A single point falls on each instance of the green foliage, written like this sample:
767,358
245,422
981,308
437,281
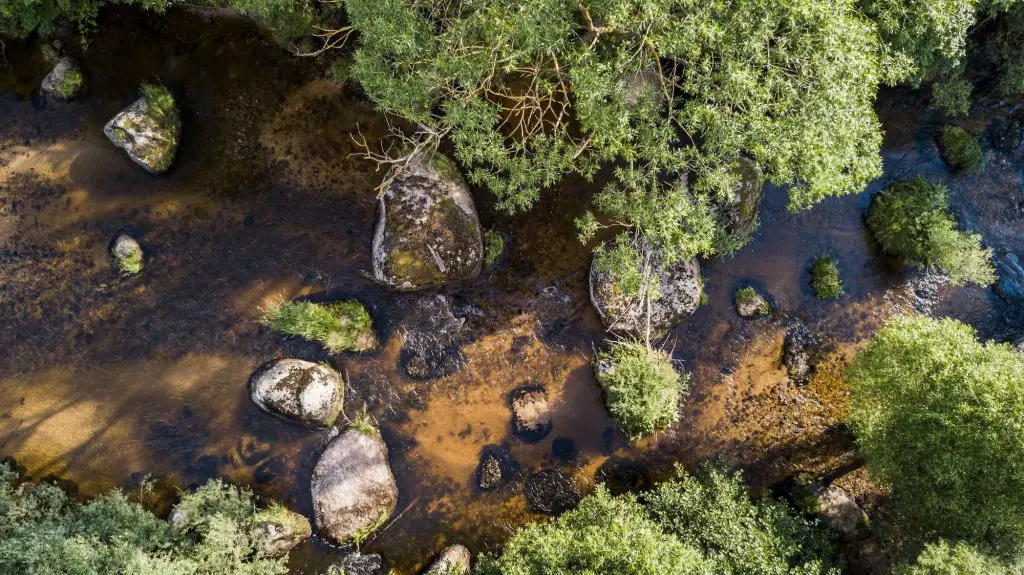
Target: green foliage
642,388
339,326
952,95
941,558
961,149
737,534
909,219
69,83
19,18
1005,50
494,246
528,92
685,527
287,20
623,260
937,416
164,110
364,423
825,279
44,532
747,295
131,264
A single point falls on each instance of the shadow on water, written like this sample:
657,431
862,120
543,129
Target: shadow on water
107,377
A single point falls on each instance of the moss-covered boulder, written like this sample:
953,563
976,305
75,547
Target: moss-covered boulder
750,303
740,209
428,232
148,130
353,489
298,390
679,289
280,530
454,560
64,80
127,254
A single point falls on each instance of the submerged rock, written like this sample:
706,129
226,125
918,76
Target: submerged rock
127,254
531,414
356,563
298,390
64,80
454,560
740,211
428,232
551,492
800,350
839,511
679,286
495,467
280,530
353,489
148,130
431,334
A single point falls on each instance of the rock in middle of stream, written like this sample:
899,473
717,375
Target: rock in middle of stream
428,232
299,390
148,130
353,489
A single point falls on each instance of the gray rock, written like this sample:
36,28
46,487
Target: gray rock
839,510
750,303
431,334
679,286
428,232
454,560
64,80
148,131
353,489
531,414
298,390
281,530
127,254
178,519
800,353
356,563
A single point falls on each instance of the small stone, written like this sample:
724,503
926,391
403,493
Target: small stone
750,303
495,467
281,530
356,563
148,130
64,80
531,414
454,560
127,254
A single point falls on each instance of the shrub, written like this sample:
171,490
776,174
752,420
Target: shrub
909,219
43,531
494,246
825,279
941,558
738,535
952,95
642,389
938,416
961,149
339,326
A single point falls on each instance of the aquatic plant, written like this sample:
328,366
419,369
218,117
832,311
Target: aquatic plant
685,526
642,389
339,326
494,246
825,280
909,219
937,415
961,149
44,531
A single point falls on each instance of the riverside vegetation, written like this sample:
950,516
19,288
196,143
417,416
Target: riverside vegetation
664,100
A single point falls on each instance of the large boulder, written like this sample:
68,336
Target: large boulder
298,390
454,560
839,510
148,130
280,530
64,80
739,211
353,489
428,233
431,334
679,286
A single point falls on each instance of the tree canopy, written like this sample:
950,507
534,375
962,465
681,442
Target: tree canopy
937,416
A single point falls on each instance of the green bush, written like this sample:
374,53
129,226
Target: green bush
909,219
642,388
825,280
937,416
494,246
44,532
952,95
738,534
685,527
941,558
339,326
961,149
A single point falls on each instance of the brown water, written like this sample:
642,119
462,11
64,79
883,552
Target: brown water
106,378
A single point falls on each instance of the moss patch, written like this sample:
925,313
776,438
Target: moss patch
494,246
130,264
69,83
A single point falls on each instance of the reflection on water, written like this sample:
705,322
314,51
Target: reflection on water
105,377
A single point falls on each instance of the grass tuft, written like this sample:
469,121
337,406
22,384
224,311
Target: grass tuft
825,280
339,326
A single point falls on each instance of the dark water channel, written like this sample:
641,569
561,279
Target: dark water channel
105,379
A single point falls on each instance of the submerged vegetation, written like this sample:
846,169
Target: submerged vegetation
641,386
339,326
909,219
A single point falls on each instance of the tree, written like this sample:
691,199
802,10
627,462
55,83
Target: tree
941,558
937,417
667,91
44,532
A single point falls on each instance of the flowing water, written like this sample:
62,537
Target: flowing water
106,379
